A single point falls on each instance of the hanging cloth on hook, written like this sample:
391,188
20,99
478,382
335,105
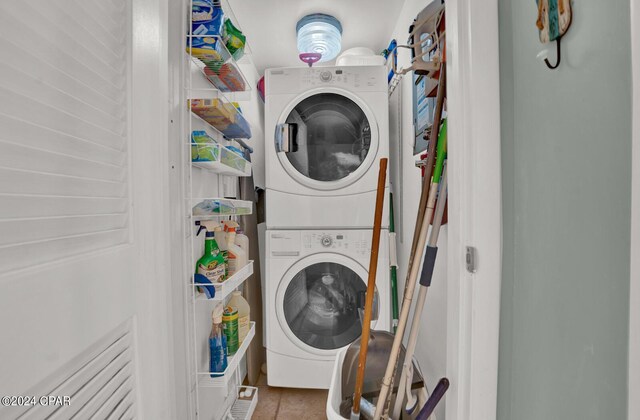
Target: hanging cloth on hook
554,19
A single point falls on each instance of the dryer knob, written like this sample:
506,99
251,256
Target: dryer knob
326,76
326,241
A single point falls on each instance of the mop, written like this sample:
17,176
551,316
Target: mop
425,282
419,240
371,290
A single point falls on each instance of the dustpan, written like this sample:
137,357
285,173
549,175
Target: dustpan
380,344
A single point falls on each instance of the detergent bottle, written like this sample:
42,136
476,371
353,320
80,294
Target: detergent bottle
242,241
244,324
237,256
211,264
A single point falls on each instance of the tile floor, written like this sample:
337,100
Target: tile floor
289,403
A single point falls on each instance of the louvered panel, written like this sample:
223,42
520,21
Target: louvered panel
14,232
113,7
92,37
25,206
13,155
100,385
46,183
15,257
32,109
69,36
128,415
46,73
121,408
122,380
60,56
66,66
92,22
16,80
88,399
120,395
109,21
33,135
13,22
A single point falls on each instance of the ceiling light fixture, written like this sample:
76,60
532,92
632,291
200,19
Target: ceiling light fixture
319,34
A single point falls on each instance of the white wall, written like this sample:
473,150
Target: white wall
432,342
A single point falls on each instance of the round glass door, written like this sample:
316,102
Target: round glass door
329,137
322,305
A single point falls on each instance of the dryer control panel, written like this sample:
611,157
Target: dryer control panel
294,80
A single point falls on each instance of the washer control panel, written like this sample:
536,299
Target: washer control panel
349,242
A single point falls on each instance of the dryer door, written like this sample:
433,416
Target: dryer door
320,301
327,140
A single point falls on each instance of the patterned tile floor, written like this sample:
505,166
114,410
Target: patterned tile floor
289,403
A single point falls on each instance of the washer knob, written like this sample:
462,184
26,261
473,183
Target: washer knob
326,241
325,76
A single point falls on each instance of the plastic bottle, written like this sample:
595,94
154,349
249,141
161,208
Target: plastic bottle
242,241
237,256
217,344
211,264
237,301
230,328
221,240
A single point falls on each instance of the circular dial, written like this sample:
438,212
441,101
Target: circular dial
326,241
325,76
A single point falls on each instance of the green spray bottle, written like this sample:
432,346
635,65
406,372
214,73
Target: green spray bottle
211,264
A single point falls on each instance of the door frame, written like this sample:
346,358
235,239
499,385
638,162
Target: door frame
473,105
634,269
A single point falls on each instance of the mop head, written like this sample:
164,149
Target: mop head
380,343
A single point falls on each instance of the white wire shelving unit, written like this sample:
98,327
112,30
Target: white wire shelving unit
200,80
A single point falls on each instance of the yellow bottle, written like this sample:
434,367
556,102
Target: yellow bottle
244,325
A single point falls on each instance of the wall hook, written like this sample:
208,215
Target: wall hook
546,60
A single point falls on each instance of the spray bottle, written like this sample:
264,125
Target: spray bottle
211,264
237,256
217,344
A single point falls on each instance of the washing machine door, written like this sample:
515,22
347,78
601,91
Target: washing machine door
327,139
320,302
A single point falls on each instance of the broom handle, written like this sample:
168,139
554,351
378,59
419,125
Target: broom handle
415,257
422,296
371,286
428,169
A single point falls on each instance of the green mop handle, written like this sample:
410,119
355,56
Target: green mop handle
393,266
430,254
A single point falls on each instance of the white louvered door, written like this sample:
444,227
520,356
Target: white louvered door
70,253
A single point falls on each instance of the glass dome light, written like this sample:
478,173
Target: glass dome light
319,33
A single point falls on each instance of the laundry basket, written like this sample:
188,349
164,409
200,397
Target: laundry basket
335,393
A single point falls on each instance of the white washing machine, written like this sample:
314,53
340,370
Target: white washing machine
326,129
314,289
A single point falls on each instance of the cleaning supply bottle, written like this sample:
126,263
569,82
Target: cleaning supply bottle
217,344
242,241
211,264
221,240
230,328
237,256
237,301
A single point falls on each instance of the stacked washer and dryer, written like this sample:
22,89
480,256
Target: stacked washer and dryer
326,130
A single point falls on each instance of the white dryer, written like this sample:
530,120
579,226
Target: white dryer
314,290
326,129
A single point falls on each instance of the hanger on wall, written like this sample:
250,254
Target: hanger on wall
554,19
